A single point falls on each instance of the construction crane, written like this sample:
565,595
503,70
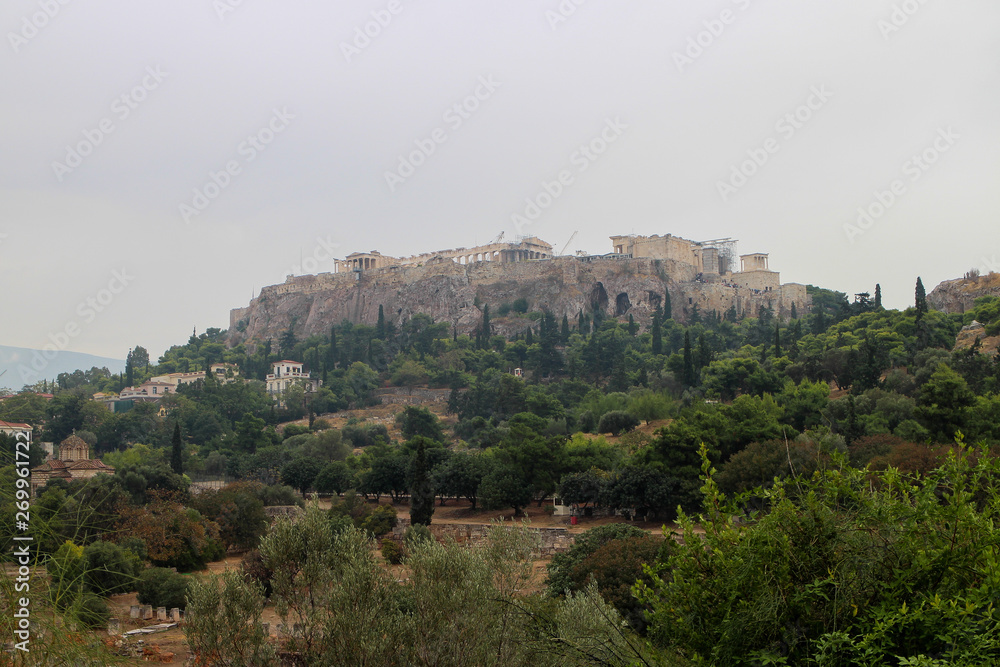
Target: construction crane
499,237
568,242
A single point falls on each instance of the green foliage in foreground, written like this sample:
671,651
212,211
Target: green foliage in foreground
460,606
848,568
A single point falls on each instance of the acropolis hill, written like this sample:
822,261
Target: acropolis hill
453,285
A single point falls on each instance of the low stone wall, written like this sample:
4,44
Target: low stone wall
553,539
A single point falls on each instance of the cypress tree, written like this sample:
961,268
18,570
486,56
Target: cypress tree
631,325
657,346
485,333
529,337
688,360
380,326
176,462
777,340
795,312
564,333
920,300
667,310
580,322
704,352
129,371
878,297
421,490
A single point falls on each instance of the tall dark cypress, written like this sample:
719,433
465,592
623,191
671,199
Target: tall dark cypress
920,300
878,297
777,340
667,310
176,462
380,326
564,333
657,345
421,489
688,361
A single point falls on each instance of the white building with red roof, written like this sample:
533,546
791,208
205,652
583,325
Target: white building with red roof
13,428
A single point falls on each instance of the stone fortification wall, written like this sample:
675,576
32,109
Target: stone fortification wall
552,539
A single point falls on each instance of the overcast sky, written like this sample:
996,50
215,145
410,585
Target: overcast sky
770,121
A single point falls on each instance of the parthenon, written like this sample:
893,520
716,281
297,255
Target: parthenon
522,250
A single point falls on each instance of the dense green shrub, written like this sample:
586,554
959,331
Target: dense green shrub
161,587
392,552
616,422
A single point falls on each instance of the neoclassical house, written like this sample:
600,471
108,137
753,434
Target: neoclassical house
74,462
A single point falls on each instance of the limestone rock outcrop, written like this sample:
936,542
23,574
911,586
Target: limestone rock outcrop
455,293
958,296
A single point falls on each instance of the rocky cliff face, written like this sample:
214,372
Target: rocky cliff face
450,292
958,296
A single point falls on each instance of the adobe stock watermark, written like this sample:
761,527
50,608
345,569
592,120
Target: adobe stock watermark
899,17
86,312
121,108
786,127
585,155
706,38
248,150
32,24
454,117
913,169
990,265
322,252
20,550
223,7
364,34
562,13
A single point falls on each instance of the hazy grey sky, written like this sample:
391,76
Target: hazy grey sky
114,114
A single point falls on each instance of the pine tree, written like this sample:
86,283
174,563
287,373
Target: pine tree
878,297
667,310
380,326
176,462
688,360
421,489
657,345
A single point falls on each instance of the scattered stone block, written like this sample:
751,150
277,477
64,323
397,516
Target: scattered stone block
114,626
175,614
147,612
161,613
134,611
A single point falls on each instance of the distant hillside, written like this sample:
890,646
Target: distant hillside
20,365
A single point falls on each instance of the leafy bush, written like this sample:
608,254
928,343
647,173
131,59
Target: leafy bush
417,533
295,429
161,587
109,568
615,567
617,421
392,552
93,611
380,521
254,569
560,577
